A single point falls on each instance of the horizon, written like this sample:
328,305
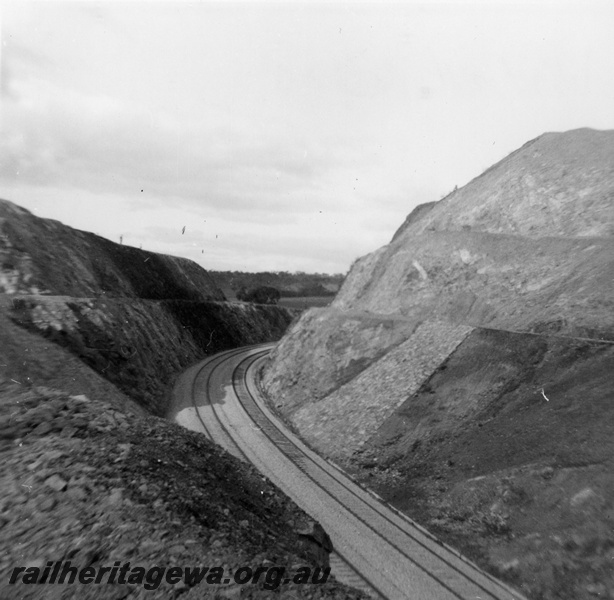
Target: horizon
267,137
209,270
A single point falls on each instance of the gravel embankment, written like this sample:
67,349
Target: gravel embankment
86,483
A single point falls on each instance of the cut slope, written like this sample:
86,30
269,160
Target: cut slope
507,452
27,359
136,318
556,284
499,439
84,478
490,254
547,285
559,184
139,345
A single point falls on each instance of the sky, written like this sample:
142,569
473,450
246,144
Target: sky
282,136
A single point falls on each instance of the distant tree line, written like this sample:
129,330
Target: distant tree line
260,295
288,285
313,289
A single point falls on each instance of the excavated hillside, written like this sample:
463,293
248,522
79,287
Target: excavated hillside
92,335
464,370
137,318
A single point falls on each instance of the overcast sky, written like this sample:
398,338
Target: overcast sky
282,136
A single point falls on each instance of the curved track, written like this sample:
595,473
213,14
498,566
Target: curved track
377,548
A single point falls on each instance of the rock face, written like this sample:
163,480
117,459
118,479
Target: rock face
527,246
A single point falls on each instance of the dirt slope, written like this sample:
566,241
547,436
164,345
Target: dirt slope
547,285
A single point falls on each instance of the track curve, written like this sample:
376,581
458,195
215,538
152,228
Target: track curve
379,549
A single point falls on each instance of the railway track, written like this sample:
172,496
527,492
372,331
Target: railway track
377,548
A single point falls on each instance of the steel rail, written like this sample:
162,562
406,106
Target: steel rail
379,504
297,455
293,453
219,359
227,355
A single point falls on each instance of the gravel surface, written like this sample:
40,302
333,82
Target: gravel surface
84,482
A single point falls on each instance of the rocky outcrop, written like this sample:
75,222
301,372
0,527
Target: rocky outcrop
504,281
